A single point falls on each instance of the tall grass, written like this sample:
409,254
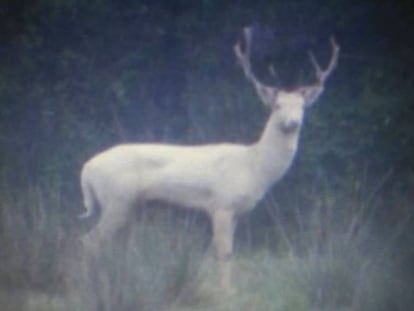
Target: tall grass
152,264
32,238
325,262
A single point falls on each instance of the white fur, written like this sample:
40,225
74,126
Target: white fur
223,180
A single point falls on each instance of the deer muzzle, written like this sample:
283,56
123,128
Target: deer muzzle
289,127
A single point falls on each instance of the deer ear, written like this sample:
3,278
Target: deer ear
310,94
268,95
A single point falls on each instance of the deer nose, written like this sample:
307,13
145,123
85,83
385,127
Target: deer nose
290,126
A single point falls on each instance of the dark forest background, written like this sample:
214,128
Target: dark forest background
79,76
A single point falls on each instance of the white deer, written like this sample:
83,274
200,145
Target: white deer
223,180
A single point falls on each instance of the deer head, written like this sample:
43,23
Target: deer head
289,104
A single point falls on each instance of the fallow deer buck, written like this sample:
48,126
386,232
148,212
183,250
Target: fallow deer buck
223,180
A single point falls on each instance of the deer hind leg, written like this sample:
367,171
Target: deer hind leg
113,217
223,224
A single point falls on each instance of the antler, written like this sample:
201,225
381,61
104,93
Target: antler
266,93
311,93
322,75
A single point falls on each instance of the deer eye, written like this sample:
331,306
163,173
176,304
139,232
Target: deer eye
276,106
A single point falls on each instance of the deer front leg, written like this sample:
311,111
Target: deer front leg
223,224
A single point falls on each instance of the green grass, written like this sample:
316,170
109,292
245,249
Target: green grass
162,263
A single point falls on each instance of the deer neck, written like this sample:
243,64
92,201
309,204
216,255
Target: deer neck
274,152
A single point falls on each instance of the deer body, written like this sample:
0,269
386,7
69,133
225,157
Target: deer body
223,180
206,177
192,177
